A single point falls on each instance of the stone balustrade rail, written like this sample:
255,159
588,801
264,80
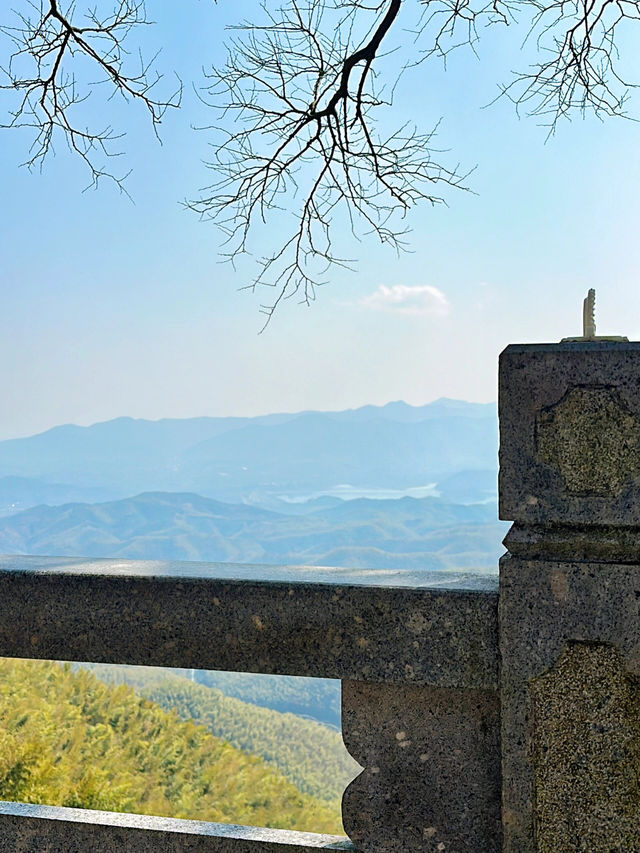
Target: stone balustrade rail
403,655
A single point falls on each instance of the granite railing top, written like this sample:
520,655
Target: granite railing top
211,616
160,832
262,572
55,828
577,345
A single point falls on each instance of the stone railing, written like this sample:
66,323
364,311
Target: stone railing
419,673
484,719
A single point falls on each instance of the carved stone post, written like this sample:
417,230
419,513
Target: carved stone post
425,726
431,779
570,597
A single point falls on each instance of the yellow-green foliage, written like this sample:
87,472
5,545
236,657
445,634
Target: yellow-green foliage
68,739
311,755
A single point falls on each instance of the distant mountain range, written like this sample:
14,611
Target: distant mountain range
409,533
394,487
389,495
278,461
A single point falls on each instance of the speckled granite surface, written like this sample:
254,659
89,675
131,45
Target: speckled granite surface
569,607
439,636
544,608
570,433
431,779
334,575
586,739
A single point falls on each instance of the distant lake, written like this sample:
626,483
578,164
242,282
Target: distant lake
348,493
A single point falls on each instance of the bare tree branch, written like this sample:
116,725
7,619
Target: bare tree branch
297,98
580,72
578,41
48,45
299,139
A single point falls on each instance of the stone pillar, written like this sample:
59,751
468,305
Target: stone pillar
570,597
431,777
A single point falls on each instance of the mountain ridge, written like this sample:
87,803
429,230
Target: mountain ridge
481,409
254,460
409,533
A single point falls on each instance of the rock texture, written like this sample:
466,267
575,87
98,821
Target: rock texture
570,433
569,606
46,829
431,778
108,611
586,752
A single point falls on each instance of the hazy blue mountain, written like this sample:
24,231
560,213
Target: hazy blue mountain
410,534
314,451
259,460
404,413
298,507
133,449
19,493
470,486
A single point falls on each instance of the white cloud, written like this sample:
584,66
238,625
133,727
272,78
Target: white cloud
423,299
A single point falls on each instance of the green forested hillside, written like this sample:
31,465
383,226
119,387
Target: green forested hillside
68,739
314,698
318,698
309,754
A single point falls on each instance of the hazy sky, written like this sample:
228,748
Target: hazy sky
117,308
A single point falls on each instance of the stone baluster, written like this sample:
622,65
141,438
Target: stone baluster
569,606
431,778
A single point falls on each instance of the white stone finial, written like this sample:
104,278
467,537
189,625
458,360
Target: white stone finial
589,322
589,315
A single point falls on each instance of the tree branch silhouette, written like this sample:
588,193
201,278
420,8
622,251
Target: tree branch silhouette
300,99
48,44
580,73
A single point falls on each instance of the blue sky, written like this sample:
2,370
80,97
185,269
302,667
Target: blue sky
117,308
